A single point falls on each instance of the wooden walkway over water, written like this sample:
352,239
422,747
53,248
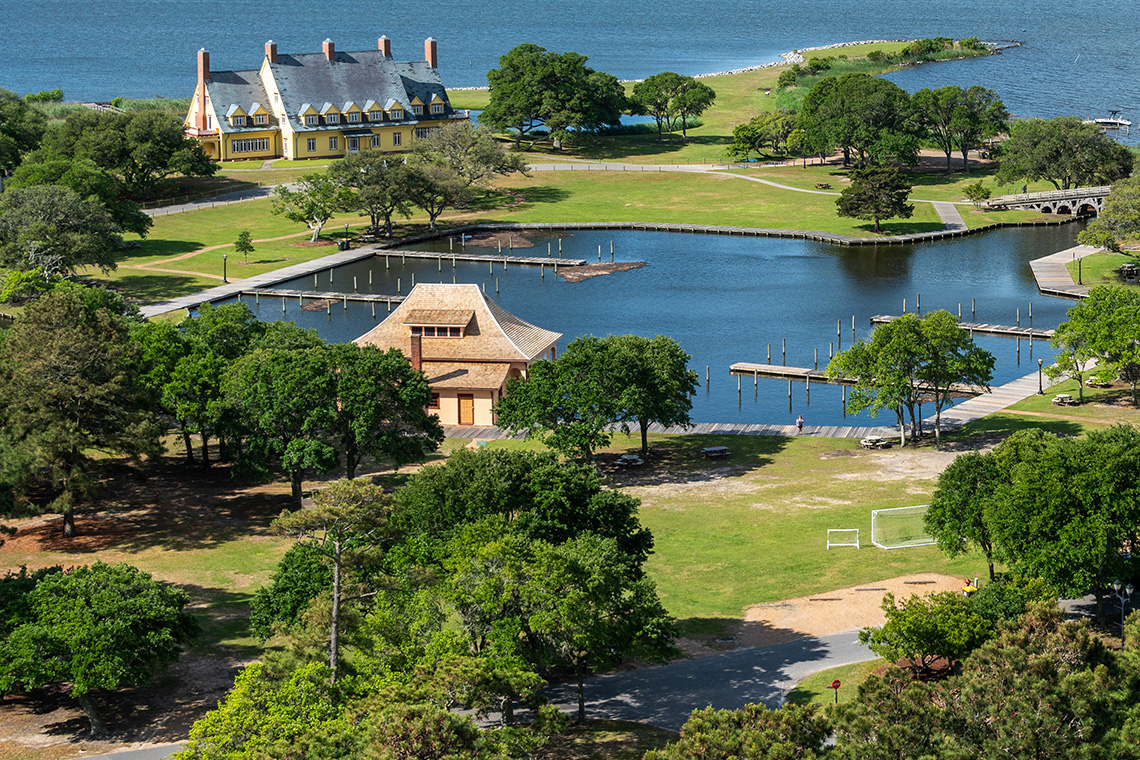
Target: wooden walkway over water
1052,273
808,376
983,328
493,258
319,295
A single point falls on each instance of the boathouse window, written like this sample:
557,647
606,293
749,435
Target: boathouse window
417,331
434,403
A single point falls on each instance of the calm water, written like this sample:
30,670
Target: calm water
1079,58
726,298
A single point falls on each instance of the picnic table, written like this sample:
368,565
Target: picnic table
823,185
715,452
875,442
1062,398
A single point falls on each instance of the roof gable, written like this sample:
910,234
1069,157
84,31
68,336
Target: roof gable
492,333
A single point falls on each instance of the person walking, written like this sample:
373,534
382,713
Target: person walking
800,425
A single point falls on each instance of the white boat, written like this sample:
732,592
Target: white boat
1112,121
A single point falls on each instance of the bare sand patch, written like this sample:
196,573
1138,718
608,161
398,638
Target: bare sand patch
586,271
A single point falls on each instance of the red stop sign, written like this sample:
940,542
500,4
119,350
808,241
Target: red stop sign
835,684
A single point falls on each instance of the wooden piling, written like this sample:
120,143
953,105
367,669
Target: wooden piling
973,310
839,333
784,351
374,310
816,350
918,304
354,284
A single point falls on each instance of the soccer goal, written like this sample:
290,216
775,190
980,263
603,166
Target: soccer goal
899,528
842,537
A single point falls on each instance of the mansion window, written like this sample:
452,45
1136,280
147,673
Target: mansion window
239,121
354,116
332,118
253,145
261,118
397,114
332,143
375,141
417,110
422,132
311,120
397,138
376,116
312,144
437,108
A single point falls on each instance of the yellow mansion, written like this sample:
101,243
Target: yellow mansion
318,105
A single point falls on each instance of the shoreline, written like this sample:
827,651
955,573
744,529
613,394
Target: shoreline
793,57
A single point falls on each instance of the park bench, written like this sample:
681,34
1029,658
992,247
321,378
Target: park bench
1062,399
823,185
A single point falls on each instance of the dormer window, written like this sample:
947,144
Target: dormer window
417,110
354,116
437,109
376,116
239,121
397,114
261,118
332,118
311,120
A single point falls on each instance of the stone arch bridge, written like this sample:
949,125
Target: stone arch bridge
1080,201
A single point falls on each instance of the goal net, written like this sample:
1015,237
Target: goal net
842,537
899,528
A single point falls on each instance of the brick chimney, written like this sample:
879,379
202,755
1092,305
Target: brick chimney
203,76
417,357
329,48
431,55
385,46
271,51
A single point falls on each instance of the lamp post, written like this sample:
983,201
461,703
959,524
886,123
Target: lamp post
1079,272
1123,601
224,279
1040,389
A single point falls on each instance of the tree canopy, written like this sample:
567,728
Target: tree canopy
21,129
95,627
317,199
89,181
534,88
140,147
571,401
908,358
382,186
1102,330
1064,151
875,193
864,116
1119,221
53,231
472,153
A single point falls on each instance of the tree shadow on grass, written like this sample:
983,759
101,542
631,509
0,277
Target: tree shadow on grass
679,459
616,148
141,287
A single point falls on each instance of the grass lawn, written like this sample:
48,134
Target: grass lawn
579,196
1103,406
1100,269
814,690
753,530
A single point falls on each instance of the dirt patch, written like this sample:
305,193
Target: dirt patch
585,272
906,465
311,244
319,305
831,612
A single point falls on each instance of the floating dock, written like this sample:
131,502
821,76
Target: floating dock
804,375
982,328
319,295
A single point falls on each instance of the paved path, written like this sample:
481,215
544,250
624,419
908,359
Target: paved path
949,214
217,200
1052,276
156,752
231,289
664,696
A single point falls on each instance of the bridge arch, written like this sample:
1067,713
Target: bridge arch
1088,208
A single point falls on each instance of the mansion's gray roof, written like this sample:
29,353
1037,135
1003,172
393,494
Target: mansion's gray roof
357,77
229,89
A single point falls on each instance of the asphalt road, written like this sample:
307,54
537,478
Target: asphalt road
664,696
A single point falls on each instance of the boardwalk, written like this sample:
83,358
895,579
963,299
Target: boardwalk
493,258
319,295
801,374
1052,274
983,328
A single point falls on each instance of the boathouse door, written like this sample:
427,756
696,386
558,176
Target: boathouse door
466,409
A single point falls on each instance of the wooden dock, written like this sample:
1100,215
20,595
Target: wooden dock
319,295
983,328
803,375
494,258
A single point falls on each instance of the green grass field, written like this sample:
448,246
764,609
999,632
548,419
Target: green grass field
1100,269
814,690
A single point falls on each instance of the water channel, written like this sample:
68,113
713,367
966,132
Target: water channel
726,299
